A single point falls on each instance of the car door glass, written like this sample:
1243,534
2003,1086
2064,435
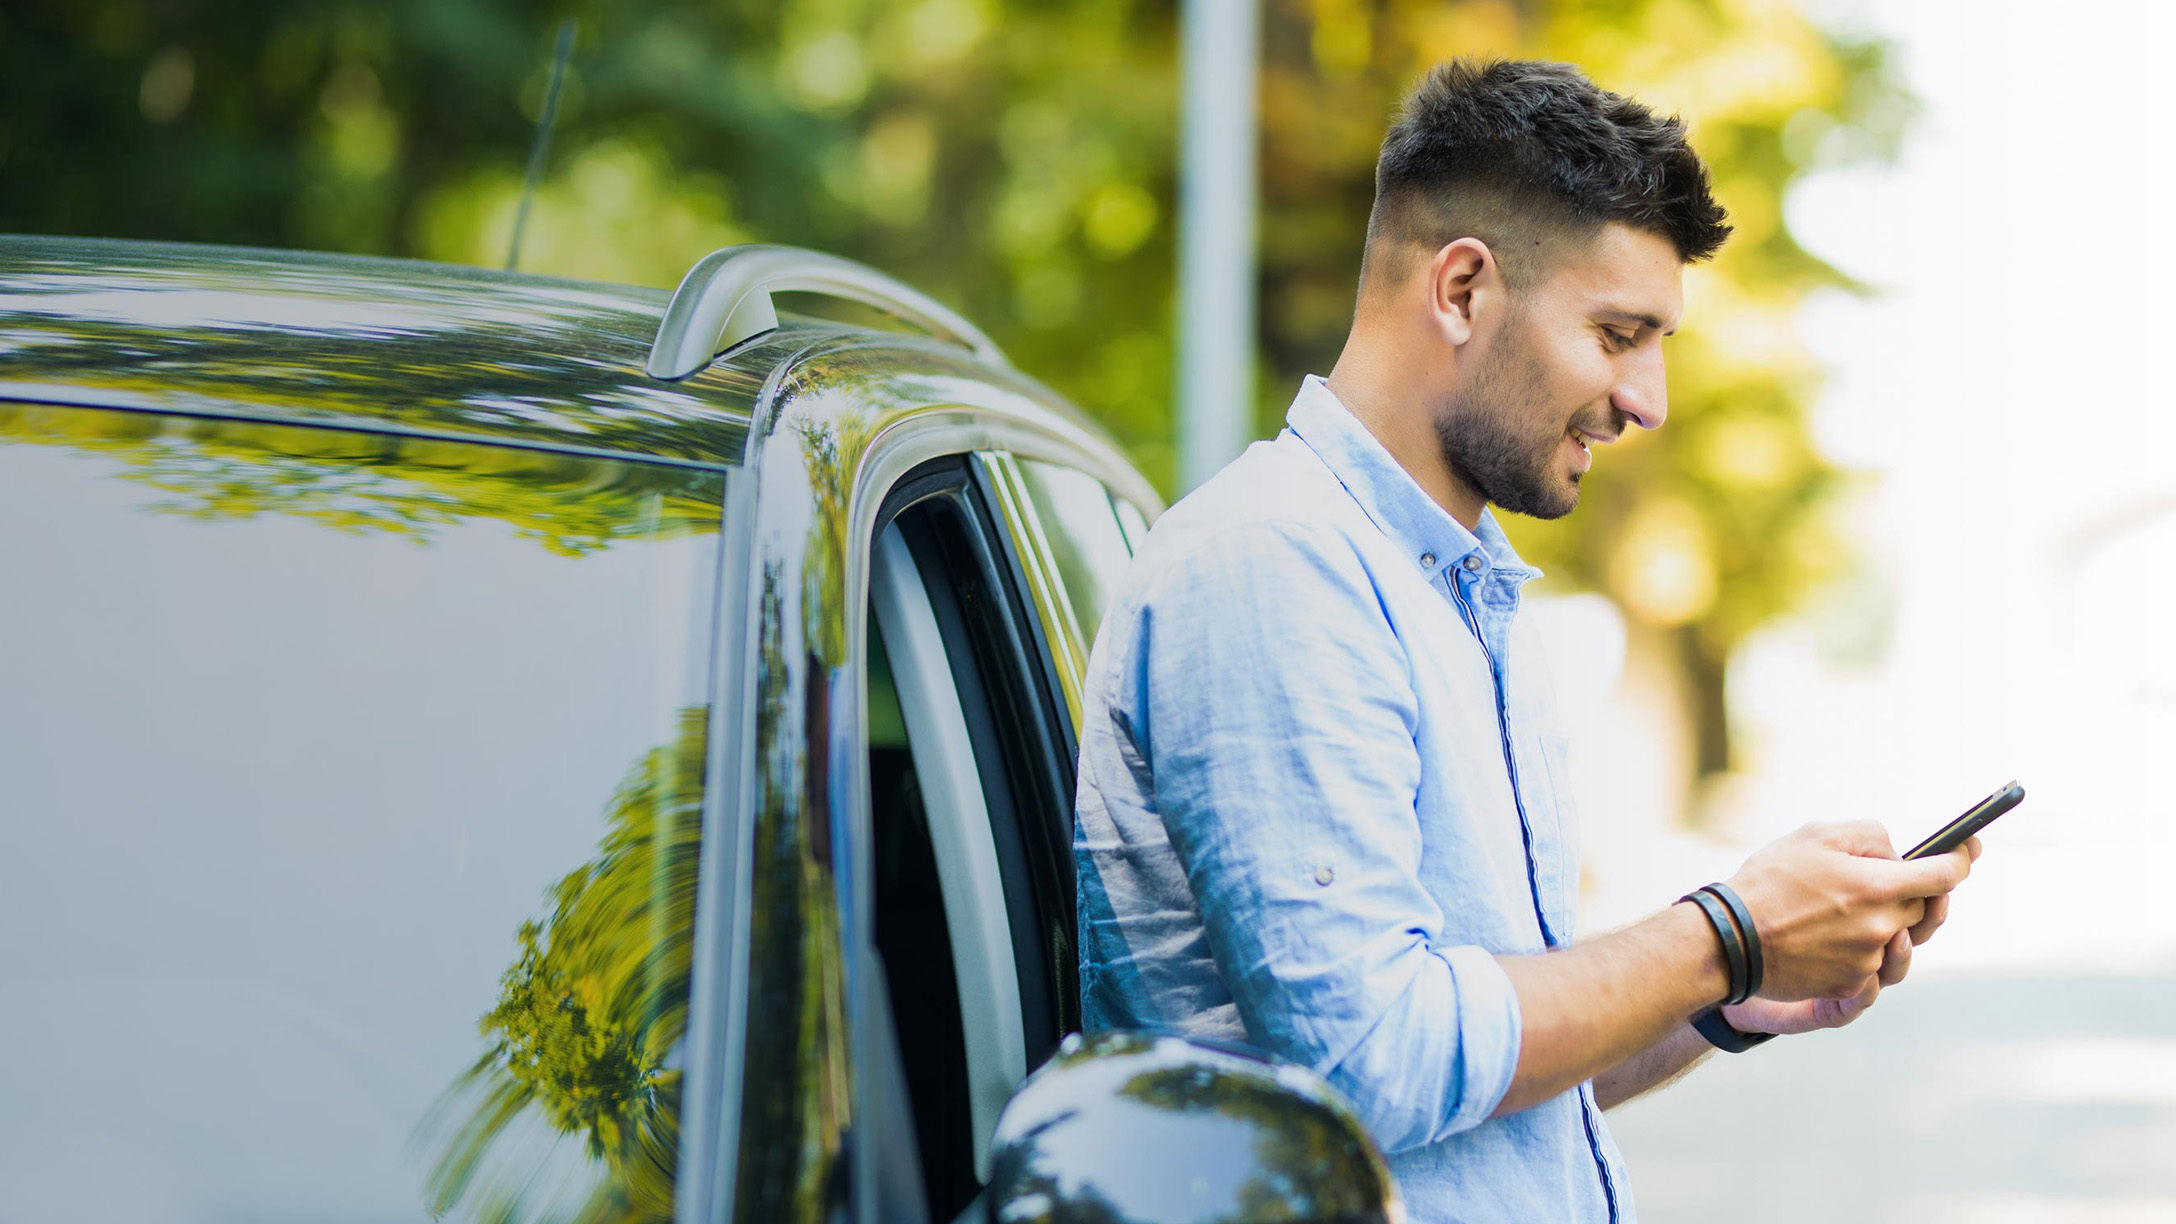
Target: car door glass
352,789
1084,535
1071,551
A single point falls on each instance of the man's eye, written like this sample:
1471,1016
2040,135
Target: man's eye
1616,340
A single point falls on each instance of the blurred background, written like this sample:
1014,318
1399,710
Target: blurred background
1905,537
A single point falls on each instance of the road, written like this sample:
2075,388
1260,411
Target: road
1971,1098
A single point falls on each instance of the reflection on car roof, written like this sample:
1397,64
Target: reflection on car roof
432,349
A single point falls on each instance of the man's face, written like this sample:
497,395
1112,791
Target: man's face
1577,357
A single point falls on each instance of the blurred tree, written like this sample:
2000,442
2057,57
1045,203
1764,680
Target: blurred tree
1715,524
1014,158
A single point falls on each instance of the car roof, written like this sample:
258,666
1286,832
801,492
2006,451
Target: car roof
404,346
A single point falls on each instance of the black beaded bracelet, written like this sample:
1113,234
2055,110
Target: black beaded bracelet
1726,930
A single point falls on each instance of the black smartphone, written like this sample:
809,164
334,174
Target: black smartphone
1983,813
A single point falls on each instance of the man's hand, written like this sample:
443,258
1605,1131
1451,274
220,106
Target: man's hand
1837,913
1767,1015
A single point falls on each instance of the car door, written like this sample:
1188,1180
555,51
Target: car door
968,777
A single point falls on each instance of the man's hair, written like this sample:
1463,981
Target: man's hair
1530,158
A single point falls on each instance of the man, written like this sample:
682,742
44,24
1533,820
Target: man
1321,794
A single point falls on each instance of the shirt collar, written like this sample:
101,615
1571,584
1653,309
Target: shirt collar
1430,538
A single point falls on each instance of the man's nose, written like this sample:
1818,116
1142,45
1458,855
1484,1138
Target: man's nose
1641,393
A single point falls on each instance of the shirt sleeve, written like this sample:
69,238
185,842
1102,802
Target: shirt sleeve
1276,717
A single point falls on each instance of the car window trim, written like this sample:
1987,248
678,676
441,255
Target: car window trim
985,966
1000,670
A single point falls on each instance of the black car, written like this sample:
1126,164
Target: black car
487,747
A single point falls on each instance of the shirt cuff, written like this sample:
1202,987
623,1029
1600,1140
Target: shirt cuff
1489,1033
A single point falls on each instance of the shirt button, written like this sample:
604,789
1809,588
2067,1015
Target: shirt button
1324,874
1428,560
1473,562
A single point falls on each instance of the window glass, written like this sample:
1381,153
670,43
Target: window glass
350,789
1084,536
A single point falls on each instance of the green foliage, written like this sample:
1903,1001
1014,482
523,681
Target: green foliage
559,1039
1015,159
590,1013
1702,531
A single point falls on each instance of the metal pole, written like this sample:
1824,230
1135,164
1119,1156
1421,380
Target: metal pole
1222,40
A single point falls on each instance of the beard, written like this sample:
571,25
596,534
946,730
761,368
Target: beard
1479,430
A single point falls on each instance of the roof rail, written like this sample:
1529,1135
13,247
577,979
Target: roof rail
726,298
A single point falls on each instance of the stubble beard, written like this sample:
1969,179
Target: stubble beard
1484,449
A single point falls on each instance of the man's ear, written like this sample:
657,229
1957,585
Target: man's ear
1465,289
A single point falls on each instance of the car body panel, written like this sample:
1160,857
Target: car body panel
820,421
843,424
411,347
361,343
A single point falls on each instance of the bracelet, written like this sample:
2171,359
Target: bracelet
1729,896
1726,930
1733,924
1725,1036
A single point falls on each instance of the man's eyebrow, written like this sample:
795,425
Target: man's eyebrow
1640,317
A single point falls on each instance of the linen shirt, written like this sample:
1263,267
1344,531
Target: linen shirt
1321,788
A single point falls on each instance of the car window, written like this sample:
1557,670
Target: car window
1072,550
352,790
1083,532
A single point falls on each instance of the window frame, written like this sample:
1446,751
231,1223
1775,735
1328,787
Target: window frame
986,967
1009,695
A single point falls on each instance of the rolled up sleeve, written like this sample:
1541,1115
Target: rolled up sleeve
1277,715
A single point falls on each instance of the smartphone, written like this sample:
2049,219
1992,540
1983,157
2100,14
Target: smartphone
1983,813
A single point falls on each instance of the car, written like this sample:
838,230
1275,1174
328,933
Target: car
486,746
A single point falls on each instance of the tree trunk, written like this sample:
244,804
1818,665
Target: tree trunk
1706,709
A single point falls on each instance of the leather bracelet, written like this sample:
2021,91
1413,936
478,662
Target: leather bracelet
1726,930
1747,931
1725,1036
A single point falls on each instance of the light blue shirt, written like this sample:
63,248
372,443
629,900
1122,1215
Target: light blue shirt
1321,788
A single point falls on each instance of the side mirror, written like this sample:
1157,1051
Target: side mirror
1139,1128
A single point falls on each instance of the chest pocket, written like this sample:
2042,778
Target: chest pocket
1551,807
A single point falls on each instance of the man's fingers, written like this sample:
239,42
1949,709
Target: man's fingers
1863,998
1927,877
1866,996
1866,838
1896,959
1973,844
1936,914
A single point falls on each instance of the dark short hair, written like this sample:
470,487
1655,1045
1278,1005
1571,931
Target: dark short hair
1531,157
